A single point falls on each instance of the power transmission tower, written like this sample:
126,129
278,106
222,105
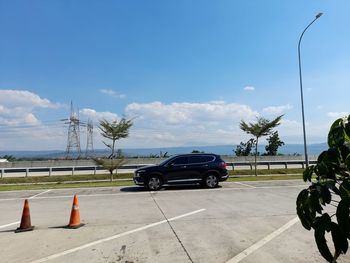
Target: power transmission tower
89,139
73,141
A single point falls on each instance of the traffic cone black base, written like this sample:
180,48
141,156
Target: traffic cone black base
19,230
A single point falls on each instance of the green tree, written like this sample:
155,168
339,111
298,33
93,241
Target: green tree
262,127
9,158
274,143
331,187
110,164
114,131
244,149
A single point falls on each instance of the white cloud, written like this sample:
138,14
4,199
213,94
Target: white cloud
338,114
24,99
249,88
16,107
185,113
113,93
277,109
176,124
21,128
96,116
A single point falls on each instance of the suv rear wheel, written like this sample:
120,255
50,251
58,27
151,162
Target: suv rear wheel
154,183
211,181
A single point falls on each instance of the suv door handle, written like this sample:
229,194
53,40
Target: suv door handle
184,166
205,165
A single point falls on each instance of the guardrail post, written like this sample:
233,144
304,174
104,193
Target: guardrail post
2,173
285,166
251,166
50,171
73,168
302,165
95,168
27,172
268,166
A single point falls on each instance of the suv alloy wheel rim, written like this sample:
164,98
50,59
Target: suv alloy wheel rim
211,181
154,183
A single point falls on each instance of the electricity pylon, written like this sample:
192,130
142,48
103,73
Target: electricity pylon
89,139
73,140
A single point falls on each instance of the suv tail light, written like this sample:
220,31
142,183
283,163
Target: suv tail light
222,165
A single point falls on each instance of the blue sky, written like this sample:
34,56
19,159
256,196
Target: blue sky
182,68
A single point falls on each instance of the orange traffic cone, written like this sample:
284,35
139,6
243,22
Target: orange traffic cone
74,221
25,221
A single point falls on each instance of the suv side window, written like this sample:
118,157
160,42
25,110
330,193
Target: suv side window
180,161
208,158
196,159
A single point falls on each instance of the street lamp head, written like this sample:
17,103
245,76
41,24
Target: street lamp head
319,15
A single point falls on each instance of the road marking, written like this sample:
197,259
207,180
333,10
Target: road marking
247,185
11,224
245,253
69,251
39,194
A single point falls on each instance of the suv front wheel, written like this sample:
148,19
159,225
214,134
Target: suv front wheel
211,181
154,183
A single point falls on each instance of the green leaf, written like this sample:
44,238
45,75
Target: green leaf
347,129
307,174
347,162
345,151
322,224
303,209
336,136
345,190
343,211
322,167
323,221
339,239
325,194
332,155
315,202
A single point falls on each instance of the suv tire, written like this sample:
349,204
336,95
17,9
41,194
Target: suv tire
154,182
211,181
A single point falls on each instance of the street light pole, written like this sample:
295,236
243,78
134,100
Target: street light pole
301,89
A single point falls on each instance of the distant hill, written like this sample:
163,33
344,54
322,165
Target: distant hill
288,149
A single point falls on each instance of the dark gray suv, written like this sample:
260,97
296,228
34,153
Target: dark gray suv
206,169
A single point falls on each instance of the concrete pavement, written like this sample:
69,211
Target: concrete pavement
239,222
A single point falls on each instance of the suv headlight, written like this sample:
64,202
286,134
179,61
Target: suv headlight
138,173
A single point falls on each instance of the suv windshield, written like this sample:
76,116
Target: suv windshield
166,160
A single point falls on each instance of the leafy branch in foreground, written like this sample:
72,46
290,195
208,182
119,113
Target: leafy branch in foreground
331,187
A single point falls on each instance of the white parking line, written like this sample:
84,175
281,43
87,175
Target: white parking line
39,194
247,185
245,253
69,251
11,224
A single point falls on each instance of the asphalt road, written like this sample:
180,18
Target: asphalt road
239,222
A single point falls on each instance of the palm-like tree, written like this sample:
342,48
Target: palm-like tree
110,165
262,127
114,131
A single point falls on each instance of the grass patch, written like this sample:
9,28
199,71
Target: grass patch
266,171
265,178
68,185
61,178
